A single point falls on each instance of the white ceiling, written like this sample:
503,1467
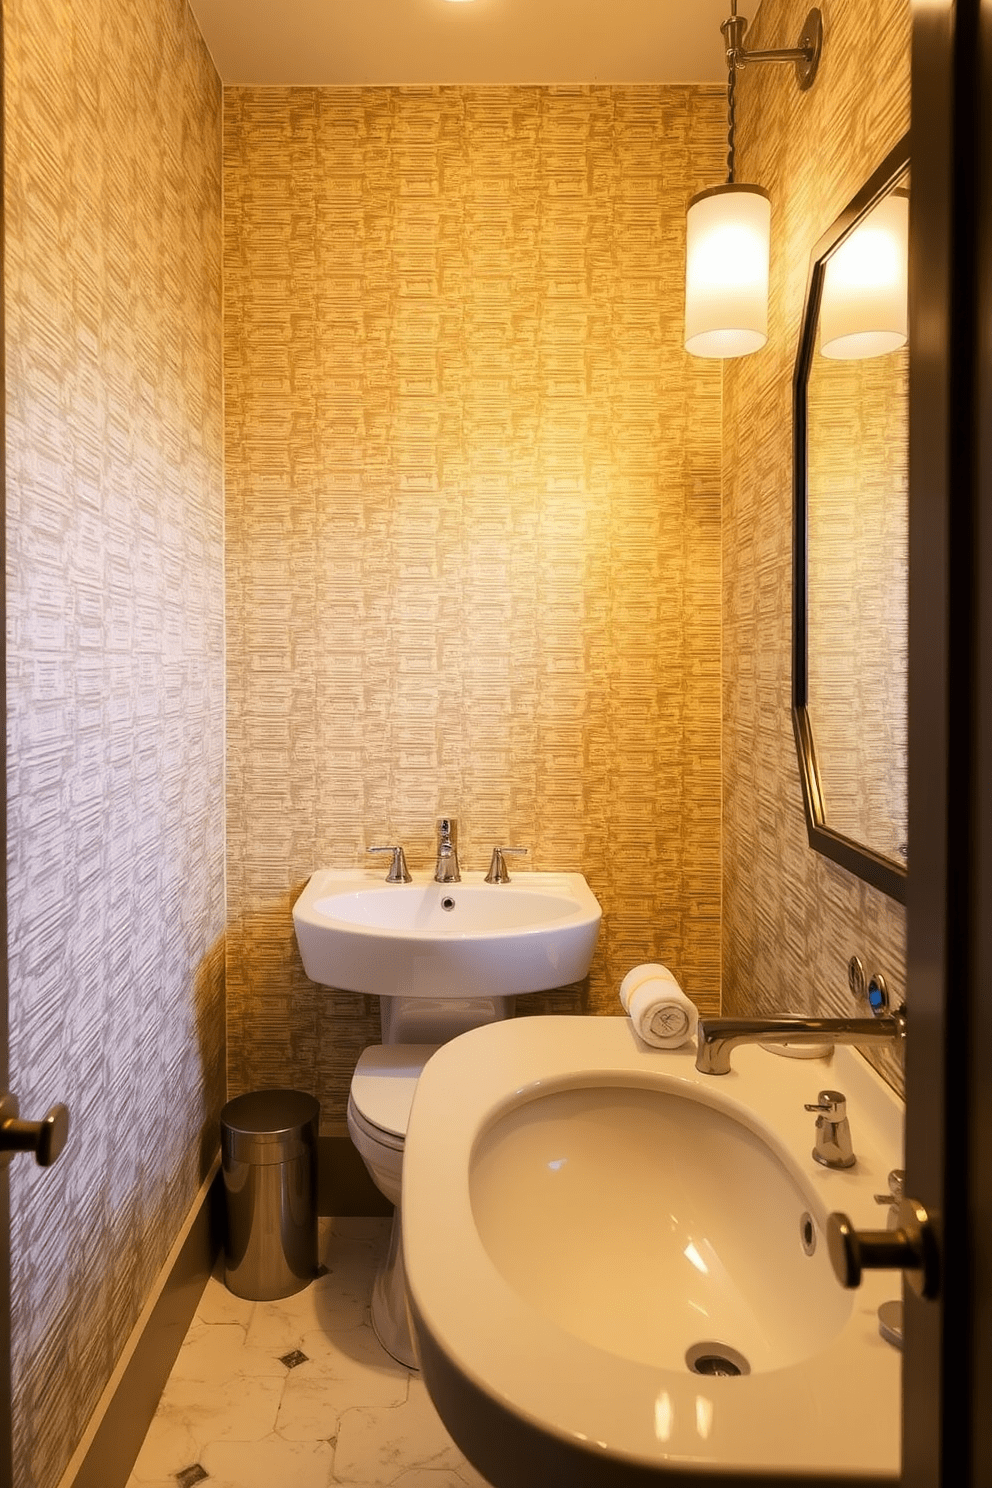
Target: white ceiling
315,42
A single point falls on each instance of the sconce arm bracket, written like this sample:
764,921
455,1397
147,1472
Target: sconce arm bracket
806,54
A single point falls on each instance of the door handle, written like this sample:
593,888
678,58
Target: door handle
910,1246
45,1138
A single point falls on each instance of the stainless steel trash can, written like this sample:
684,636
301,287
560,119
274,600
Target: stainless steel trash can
269,1162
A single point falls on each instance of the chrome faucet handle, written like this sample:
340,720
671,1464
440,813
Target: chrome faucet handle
833,1147
497,868
897,1184
831,1102
398,871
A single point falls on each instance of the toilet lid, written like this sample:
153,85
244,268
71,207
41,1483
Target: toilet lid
384,1082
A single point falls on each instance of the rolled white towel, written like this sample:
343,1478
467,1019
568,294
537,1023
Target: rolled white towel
661,1013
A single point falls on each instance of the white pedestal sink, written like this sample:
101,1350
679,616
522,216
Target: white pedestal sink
602,1226
426,939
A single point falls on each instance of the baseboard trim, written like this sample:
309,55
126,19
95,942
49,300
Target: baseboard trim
120,1422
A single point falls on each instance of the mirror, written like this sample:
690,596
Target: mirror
851,530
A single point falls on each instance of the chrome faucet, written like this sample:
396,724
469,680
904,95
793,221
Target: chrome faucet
446,869
833,1130
718,1036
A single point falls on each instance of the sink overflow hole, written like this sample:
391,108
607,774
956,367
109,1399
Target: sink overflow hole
716,1359
807,1232
447,903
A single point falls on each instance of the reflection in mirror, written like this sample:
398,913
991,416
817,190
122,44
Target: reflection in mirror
851,592
858,592
864,308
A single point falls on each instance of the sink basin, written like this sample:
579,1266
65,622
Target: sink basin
435,940
617,1265
577,1191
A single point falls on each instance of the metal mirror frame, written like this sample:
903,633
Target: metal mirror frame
881,872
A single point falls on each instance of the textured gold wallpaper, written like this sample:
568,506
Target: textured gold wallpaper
791,918
474,517
115,674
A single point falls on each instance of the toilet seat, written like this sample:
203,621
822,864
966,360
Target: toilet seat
383,1087
369,1130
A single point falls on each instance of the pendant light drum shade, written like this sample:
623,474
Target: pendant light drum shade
726,271
863,310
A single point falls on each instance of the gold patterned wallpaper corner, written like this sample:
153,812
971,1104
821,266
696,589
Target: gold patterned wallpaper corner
791,919
473,533
114,430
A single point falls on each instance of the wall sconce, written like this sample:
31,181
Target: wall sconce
864,304
727,227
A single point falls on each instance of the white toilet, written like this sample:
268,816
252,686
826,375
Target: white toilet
382,1091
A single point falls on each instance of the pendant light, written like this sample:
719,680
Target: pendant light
728,227
726,271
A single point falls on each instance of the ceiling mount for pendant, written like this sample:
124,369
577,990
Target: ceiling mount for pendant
805,54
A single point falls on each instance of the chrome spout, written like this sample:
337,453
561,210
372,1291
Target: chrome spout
717,1037
446,869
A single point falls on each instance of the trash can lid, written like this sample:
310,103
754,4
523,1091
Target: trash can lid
272,1114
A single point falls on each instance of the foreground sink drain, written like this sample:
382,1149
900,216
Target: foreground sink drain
716,1359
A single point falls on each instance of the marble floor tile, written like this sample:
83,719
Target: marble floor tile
304,1464
376,1446
221,1352
298,1393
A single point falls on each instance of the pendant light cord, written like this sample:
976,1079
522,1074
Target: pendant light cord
733,35
806,57
731,121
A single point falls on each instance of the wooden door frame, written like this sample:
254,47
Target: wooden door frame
948,1354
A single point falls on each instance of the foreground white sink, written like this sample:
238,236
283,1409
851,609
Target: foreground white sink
584,1199
428,939
601,1214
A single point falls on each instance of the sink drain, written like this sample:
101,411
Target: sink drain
807,1232
716,1359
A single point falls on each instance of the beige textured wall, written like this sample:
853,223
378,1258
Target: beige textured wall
115,685
791,918
473,530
